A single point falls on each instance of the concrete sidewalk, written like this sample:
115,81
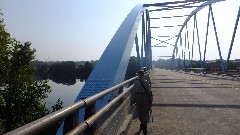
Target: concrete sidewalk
186,105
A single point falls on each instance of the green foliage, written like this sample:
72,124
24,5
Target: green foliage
162,63
57,106
232,65
83,71
62,69
63,72
196,64
41,72
21,94
5,40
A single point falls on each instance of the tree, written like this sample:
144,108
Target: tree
162,63
63,69
132,68
21,94
87,69
63,72
231,65
83,71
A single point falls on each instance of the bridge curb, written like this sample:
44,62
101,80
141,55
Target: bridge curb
128,120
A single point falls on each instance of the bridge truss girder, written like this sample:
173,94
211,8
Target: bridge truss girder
210,15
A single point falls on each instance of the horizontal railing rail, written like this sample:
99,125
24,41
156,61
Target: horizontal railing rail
45,122
90,121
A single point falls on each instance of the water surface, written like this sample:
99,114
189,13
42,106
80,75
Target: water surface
67,93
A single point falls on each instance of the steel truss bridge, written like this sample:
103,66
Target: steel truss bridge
178,32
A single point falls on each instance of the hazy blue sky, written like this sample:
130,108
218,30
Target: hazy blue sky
80,29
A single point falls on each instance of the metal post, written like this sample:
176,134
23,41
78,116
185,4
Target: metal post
233,37
90,110
189,59
148,38
150,49
173,62
146,41
219,50
179,63
188,41
182,53
183,56
184,61
120,91
192,43
199,48
137,50
143,39
186,37
204,56
149,44
71,122
176,51
180,40
191,65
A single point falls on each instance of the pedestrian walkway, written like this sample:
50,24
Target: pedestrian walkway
184,104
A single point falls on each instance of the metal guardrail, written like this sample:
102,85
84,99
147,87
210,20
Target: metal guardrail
45,122
90,121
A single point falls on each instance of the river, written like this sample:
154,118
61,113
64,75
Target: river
66,93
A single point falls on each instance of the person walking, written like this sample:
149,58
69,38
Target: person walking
147,77
142,96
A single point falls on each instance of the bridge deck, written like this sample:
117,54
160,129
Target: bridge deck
192,104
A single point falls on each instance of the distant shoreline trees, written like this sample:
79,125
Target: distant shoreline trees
210,65
132,68
65,72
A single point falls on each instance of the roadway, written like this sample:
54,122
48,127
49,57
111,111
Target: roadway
187,104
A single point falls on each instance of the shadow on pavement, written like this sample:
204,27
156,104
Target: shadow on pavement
190,87
197,105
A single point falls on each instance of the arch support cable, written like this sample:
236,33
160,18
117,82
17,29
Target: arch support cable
205,48
216,35
233,37
199,47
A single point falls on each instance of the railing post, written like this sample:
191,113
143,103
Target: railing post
89,111
120,90
70,122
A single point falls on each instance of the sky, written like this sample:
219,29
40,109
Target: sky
80,30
